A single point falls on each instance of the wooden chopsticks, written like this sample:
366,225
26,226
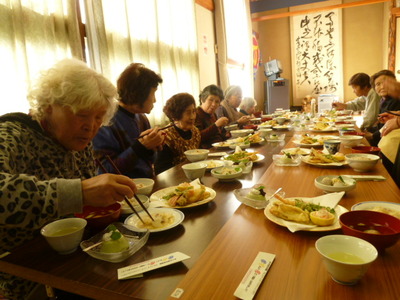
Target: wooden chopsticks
98,162
134,195
162,128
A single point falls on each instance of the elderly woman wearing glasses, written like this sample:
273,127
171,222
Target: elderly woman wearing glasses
46,159
212,129
229,107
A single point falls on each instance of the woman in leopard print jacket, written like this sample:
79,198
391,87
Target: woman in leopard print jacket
46,160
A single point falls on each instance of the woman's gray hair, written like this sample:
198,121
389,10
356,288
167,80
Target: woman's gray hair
71,83
247,103
233,89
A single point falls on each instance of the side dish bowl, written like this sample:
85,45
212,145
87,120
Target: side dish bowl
241,132
144,185
227,173
333,184
361,162
136,240
196,154
349,141
250,197
366,149
125,209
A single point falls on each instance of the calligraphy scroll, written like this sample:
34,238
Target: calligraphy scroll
317,54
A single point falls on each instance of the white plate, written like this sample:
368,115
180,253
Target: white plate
157,196
282,127
260,157
178,218
220,145
217,163
331,129
326,165
339,210
292,151
317,144
213,154
370,205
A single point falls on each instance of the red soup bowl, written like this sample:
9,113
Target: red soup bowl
366,149
381,230
100,217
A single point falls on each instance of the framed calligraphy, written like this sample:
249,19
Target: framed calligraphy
317,54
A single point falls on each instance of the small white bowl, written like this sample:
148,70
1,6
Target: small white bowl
194,170
264,131
125,209
227,173
350,140
280,120
362,162
196,154
346,258
64,235
322,182
144,185
241,132
241,145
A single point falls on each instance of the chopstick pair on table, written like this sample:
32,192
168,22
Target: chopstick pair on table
98,162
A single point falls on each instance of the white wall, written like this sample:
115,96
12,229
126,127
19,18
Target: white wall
206,42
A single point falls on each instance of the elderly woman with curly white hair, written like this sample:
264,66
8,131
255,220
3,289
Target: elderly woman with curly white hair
47,168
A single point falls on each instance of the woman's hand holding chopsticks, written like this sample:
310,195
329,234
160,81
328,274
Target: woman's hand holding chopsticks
105,189
152,138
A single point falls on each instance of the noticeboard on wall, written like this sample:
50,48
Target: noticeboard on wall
317,54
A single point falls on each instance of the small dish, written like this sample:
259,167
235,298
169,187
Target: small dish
136,240
361,162
165,219
252,197
125,209
334,183
227,173
100,217
286,160
276,137
213,163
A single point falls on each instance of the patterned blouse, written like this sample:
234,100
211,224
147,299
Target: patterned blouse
177,142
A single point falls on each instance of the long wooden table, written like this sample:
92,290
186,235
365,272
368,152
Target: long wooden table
298,271
81,274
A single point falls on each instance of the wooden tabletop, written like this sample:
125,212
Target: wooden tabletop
81,274
298,271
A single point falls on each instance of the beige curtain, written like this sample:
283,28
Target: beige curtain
161,34
33,36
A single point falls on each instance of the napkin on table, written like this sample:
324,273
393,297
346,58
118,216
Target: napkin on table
329,200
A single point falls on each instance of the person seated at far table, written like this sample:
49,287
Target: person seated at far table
389,102
229,106
367,100
248,106
212,129
132,154
47,163
184,135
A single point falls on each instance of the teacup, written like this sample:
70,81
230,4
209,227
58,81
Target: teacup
332,146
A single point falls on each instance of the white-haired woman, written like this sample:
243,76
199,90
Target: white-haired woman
248,106
229,106
46,161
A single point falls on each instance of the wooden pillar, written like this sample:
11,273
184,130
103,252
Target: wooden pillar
392,37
